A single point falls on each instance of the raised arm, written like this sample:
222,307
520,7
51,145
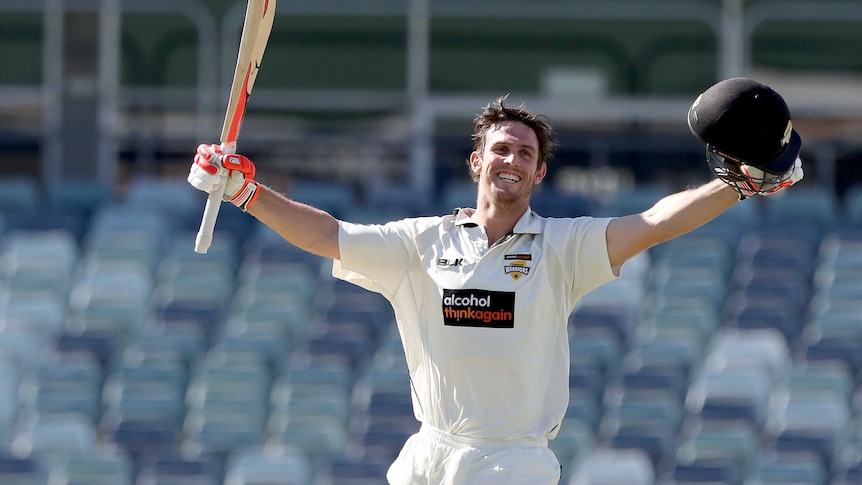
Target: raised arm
670,217
305,227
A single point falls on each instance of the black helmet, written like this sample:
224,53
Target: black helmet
747,122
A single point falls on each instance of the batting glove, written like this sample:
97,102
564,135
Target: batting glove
749,180
211,170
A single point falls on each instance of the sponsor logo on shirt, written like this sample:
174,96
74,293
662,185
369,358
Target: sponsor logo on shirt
516,265
479,308
450,262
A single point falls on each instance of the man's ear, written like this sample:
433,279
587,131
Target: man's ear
540,173
475,163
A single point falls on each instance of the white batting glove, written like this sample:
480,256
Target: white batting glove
211,170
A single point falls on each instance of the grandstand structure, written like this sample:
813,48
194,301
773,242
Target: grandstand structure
731,355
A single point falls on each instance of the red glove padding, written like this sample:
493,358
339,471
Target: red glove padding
211,170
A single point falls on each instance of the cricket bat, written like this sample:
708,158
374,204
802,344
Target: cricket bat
259,16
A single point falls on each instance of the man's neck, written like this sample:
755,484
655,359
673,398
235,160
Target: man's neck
498,221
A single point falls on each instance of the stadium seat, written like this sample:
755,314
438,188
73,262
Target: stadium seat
185,340
173,197
830,379
107,464
19,194
42,311
550,203
333,197
693,316
63,383
808,205
613,467
147,387
316,437
704,470
82,196
169,465
266,466
665,377
789,467
722,451
667,356
21,470
817,425
587,378
138,435
599,346
574,440
39,260
731,394
54,434
344,470
380,435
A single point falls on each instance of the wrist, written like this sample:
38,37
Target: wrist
246,195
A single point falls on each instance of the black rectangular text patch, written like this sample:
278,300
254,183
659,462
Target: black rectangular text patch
479,308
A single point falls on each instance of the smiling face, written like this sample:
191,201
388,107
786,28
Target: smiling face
508,167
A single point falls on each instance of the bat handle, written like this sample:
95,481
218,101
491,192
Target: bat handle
205,233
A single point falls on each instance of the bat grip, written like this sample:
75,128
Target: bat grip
205,233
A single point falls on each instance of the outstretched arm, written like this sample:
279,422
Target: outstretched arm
670,217
305,227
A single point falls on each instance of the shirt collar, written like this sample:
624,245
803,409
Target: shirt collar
528,223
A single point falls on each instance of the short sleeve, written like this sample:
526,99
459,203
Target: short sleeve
374,257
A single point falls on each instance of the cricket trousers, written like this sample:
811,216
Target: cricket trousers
434,457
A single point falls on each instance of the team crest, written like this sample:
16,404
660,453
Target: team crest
516,265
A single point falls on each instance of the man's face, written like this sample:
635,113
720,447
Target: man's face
508,167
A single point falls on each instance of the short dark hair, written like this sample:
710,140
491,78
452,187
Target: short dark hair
497,112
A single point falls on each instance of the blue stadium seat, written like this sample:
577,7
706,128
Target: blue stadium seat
138,435
718,451
611,466
147,386
169,465
753,349
600,346
587,378
48,219
732,394
574,439
18,194
82,196
381,435
550,203
790,467
830,379
54,434
334,197
316,437
64,383
264,466
104,465
344,470
818,425
808,205
172,197
21,470
704,470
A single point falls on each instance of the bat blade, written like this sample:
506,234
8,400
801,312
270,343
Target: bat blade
259,17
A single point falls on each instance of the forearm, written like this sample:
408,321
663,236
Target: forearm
670,217
301,225
685,211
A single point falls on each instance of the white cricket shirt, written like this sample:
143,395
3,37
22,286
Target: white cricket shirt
484,329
